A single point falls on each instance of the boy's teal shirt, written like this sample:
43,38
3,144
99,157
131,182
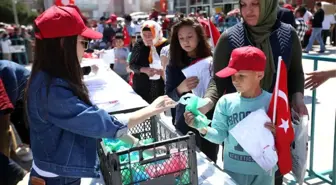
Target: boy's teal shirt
230,110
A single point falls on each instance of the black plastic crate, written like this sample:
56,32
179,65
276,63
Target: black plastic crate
177,164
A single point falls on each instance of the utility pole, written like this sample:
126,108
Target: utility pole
14,12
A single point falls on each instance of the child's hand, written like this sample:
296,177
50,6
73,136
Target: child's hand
189,119
270,127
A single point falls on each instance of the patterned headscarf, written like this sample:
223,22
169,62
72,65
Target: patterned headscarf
156,30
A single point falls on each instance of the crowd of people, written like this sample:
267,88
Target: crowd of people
16,36
50,107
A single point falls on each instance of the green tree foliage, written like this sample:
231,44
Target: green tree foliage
25,15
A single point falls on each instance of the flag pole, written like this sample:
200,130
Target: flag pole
276,89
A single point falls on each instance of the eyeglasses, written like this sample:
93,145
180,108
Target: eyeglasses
85,44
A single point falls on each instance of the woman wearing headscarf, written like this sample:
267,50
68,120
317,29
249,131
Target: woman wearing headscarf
147,80
261,29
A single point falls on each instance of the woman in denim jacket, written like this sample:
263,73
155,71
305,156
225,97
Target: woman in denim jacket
64,124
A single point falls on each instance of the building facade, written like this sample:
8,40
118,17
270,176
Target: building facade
209,6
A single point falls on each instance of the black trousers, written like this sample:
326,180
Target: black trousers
325,35
305,41
10,172
278,178
18,120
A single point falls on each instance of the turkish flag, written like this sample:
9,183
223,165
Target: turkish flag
210,30
214,33
127,37
279,112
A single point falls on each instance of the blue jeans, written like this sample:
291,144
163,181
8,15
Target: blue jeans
316,35
56,180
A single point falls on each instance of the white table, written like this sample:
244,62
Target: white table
114,88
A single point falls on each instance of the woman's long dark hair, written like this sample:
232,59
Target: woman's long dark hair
179,57
58,58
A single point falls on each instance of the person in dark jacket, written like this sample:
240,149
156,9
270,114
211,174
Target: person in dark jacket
286,16
145,54
317,29
188,45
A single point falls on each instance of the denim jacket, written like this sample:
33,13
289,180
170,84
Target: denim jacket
64,130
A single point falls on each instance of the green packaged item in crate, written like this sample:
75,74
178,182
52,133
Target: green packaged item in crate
115,145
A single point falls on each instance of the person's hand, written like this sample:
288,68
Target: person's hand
316,78
188,84
189,119
162,104
149,71
299,105
271,127
159,72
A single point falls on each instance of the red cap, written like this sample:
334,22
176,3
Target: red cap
79,12
61,21
289,7
244,58
113,18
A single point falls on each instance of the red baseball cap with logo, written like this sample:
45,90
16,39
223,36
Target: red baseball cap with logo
62,21
245,58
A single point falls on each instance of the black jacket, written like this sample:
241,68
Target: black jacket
286,16
318,18
139,59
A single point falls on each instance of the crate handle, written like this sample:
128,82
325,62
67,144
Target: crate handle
155,159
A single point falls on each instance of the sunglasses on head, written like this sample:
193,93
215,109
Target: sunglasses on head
85,44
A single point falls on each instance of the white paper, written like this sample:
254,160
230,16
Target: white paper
108,56
86,62
203,70
156,64
111,93
257,140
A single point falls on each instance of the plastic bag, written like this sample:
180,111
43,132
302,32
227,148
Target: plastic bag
256,140
156,64
193,103
299,149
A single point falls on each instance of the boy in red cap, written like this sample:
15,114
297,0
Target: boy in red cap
246,68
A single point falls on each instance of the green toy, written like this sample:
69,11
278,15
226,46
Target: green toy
193,103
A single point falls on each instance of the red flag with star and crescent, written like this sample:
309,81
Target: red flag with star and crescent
279,112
